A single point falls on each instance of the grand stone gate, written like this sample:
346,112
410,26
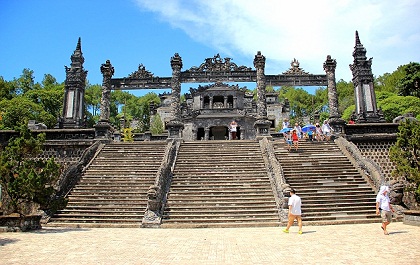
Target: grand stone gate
219,70
213,70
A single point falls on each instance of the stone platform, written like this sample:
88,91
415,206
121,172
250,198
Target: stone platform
333,244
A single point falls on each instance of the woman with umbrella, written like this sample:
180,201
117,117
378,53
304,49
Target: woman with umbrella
309,130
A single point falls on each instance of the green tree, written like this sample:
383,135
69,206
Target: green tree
156,126
409,85
345,94
389,82
93,94
406,153
25,82
24,178
7,89
393,105
302,104
348,112
49,96
20,110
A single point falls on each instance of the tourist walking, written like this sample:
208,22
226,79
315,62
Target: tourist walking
288,140
285,123
319,136
295,212
295,140
311,135
326,130
384,207
233,126
298,130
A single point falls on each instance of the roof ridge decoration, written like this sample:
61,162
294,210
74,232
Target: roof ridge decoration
141,73
201,88
217,64
295,69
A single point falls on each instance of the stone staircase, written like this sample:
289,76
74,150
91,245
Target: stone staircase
331,189
220,184
112,191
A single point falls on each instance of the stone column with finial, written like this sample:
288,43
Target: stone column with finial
103,128
366,108
175,125
262,124
74,91
334,119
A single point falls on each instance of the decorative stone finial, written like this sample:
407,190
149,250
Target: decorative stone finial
176,61
259,60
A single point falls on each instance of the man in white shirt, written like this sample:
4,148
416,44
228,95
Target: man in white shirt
295,211
384,206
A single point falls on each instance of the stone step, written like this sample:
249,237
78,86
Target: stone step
244,201
94,220
217,206
100,192
224,219
236,167
242,177
327,182
303,174
117,171
87,202
229,224
75,224
105,188
104,208
215,183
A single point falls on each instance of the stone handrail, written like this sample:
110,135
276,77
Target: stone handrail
276,175
367,167
72,174
157,193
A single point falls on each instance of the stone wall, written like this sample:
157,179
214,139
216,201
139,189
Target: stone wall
378,151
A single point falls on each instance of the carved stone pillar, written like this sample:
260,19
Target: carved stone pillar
74,91
103,128
329,68
175,125
366,108
225,99
262,124
211,102
334,120
201,102
235,104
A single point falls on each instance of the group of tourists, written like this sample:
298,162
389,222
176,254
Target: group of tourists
292,135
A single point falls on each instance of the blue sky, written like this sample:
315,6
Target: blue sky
42,34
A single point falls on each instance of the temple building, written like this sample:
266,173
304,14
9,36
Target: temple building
208,111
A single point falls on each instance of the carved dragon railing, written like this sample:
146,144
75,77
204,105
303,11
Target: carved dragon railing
157,193
276,176
367,167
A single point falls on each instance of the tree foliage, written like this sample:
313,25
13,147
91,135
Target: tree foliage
393,105
24,100
406,153
156,126
24,178
409,84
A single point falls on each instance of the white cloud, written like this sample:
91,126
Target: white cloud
306,30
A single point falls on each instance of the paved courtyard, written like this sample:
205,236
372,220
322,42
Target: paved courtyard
334,244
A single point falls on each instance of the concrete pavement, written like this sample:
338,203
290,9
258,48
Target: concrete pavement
333,244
